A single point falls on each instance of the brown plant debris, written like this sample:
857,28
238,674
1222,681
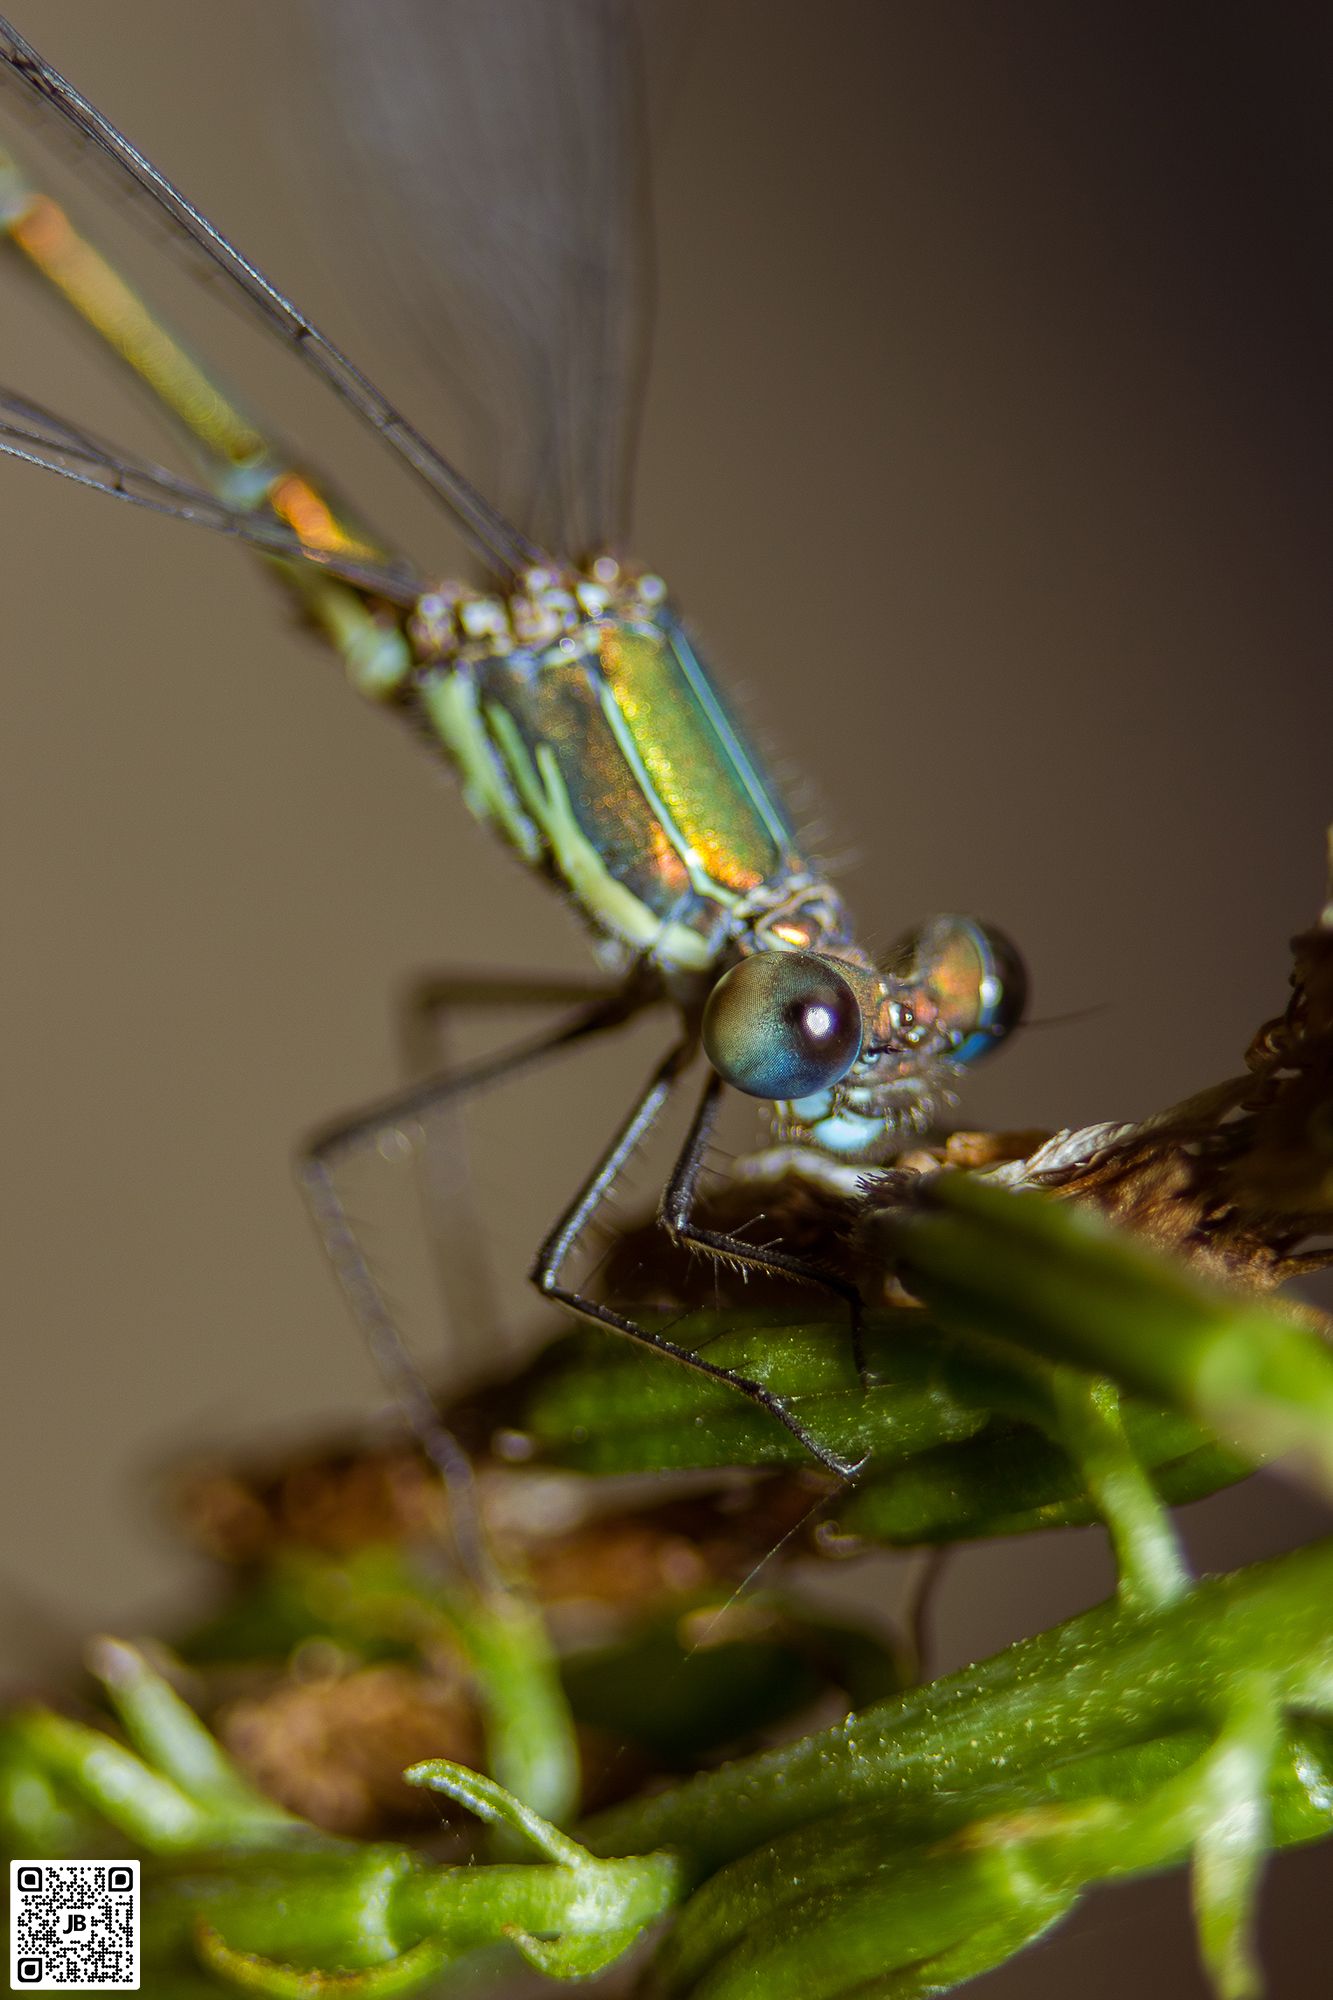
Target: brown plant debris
333,1747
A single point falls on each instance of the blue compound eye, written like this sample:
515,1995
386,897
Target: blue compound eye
782,1024
975,978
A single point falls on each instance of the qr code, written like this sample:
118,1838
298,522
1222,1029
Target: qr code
74,1926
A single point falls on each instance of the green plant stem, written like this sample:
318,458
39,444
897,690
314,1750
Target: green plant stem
952,1821
378,1906
1110,1679
1152,1569
851,1907
530,1741
1231,1844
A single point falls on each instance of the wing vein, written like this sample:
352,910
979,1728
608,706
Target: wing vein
496,538
36,436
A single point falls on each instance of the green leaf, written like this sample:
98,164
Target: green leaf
832,1909
1057,1280
116,1784
170,1737
1111,1680
601,1406
1091,1425
491,1802
1012,1481
530,1742
680,1701
573,1958
1234,1840
248,1972
865,1902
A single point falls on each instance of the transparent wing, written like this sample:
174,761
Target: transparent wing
499,149
44,87
35,435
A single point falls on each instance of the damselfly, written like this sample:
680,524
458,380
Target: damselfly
568,694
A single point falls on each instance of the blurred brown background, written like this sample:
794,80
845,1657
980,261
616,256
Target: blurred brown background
987,445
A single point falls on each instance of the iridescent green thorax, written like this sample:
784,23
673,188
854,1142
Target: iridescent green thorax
589,733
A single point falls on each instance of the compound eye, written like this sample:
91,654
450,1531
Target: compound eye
782,1024
974,976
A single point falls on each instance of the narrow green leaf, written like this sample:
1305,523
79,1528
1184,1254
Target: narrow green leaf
604,1408
1151,1565
530,1743
248,1972
1234,1840
171,1738
490,1801
119,1786
576,1957
1057,1280
1104,1681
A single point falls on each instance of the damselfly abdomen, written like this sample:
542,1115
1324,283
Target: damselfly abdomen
576,707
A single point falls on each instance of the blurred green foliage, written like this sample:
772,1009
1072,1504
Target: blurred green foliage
1053,1370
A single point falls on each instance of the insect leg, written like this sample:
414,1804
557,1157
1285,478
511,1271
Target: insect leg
576,1220
317,1171
425,1015
677,1213
431,999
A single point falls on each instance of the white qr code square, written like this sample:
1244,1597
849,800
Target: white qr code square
74,1926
